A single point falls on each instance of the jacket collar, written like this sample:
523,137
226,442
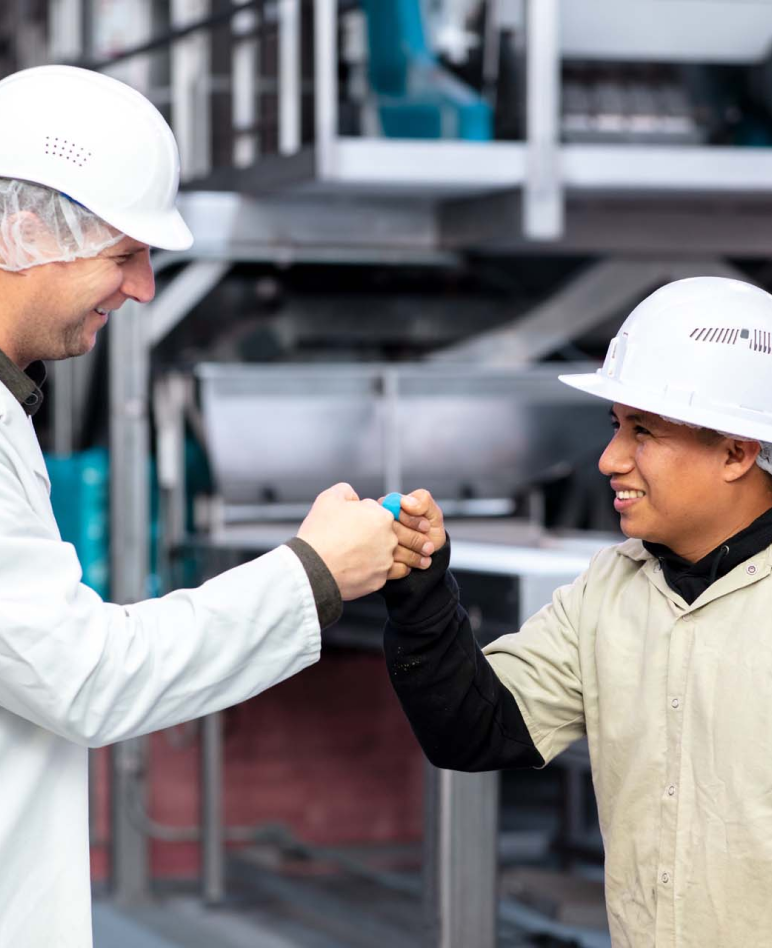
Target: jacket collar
24,386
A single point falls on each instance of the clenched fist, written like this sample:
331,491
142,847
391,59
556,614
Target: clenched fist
354,537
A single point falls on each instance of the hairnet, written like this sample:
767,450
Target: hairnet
764,457
39,225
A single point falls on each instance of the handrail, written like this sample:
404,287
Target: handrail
171,36
168,38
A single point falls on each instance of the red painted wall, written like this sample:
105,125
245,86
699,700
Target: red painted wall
327,753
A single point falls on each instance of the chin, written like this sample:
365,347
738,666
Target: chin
81,347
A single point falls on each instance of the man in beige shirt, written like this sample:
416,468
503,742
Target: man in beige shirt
661,652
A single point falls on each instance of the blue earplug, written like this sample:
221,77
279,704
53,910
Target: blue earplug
392,502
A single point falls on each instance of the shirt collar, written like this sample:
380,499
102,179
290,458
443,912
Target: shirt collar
24,386
690,580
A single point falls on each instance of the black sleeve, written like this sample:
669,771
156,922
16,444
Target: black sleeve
329,605
461,713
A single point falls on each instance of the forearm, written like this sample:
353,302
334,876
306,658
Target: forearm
96,673
461,713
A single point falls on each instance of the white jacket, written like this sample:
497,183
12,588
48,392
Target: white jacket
76,672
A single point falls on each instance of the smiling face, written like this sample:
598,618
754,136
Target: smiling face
681,486
54,311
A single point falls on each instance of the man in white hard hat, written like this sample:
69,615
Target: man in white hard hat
88,179
661,652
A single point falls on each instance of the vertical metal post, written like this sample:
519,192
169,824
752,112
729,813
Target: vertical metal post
65,41
129,567
325,84
212,815
245,89
543,210
460,858
190,72
64,384
392,460
289,77
65,29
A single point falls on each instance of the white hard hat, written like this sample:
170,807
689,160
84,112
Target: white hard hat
98,141
698,351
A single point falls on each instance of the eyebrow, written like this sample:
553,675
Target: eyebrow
633,416
128,252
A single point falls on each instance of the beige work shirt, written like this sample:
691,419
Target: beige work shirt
676,703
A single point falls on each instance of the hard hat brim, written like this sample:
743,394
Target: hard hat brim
167,231
657,403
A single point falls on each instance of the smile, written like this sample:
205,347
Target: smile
102,312
630,494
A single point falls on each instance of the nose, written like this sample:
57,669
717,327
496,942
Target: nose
617,458
138,279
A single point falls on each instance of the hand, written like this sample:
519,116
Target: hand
354,537
420,531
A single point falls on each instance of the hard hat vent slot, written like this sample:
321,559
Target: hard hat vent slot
759,340
65,148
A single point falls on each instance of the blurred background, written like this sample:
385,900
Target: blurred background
410,215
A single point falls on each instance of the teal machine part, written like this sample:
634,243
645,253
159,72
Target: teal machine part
416,96
80,492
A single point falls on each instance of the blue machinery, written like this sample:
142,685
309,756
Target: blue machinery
416,96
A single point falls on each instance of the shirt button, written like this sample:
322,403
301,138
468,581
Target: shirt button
665,877
750,569
671,791
675,702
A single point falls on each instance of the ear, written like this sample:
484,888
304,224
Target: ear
20,233
740,458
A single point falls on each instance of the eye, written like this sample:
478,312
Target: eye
614,424
639,429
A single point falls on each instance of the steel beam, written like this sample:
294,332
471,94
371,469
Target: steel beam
185,291
598,293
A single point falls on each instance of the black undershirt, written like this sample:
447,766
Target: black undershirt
461,713
690,580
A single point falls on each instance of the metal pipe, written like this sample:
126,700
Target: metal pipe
212,817
326,83
289,77
246,84
167,38
460,858
543,211
392,460
129,566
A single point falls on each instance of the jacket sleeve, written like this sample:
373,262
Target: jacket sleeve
95,673
462,714
541,665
